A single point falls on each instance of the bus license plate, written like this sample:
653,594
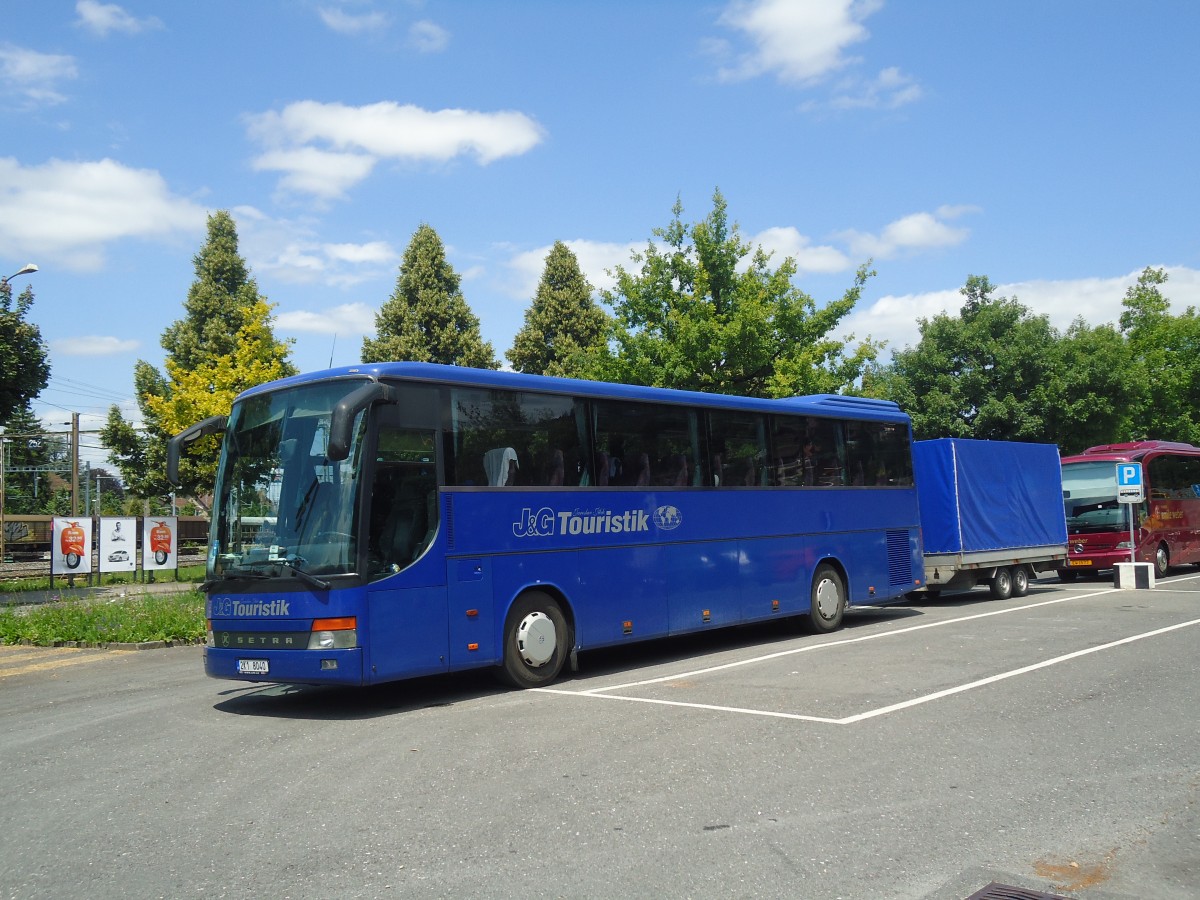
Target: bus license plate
252,667
1079,562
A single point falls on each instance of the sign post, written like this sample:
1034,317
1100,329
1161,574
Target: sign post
1131,490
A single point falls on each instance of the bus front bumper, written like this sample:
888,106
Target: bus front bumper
286,666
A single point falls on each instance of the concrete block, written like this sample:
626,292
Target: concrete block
1133,576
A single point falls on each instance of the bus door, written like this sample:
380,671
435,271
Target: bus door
406,599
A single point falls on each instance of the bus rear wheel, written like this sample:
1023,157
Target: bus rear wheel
537,641
827,600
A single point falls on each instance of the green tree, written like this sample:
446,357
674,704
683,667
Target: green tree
24,370
563,325
427,319
704,313
1166,359
26,463
1095,388
985,373
223,345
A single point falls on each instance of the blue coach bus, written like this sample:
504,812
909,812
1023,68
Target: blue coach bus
393,520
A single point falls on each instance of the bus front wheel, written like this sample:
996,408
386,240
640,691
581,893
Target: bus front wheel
537,641
1162,561
828,600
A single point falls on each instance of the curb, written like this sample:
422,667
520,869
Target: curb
116,645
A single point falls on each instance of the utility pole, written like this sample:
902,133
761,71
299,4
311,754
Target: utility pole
2,528
75,464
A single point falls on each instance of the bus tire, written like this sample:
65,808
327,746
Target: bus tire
1162,561
1002,584
827,603
1020,581
537,641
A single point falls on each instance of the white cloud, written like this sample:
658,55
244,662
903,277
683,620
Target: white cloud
103,18
800,41
292,252
348,23
372,252
428,37
347,320
34,76
596,259
93,345
324,148
890,89
1097,300
322,173
73,209
914,232
787,241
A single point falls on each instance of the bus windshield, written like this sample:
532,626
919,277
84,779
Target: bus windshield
282,508
1090,496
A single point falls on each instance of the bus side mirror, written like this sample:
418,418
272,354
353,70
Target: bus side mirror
341,422
211,425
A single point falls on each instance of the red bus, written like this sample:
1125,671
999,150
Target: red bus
1167,523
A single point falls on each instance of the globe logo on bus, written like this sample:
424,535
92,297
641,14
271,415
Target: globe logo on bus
667,518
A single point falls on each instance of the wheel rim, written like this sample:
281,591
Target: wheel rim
1020,580
1162,560
536,639
829,598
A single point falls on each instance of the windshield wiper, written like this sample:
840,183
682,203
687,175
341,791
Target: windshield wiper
245,570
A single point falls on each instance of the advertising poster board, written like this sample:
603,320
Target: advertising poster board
71,546
160,543
118,544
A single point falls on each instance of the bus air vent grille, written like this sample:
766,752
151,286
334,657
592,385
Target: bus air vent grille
899,561
448,519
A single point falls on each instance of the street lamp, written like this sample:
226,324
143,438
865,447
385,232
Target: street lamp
27,269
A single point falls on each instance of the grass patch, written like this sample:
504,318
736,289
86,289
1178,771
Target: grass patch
191,574
126,620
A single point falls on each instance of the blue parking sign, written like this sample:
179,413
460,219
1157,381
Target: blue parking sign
1129,483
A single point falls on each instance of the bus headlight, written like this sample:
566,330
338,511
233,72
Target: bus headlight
334,634
1125,545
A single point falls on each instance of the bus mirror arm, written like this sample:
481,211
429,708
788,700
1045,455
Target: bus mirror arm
341,423
211,425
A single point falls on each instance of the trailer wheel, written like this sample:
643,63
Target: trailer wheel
537,640
1002,584
1020,580
827,600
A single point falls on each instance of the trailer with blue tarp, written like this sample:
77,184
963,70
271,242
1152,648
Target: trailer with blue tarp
991,513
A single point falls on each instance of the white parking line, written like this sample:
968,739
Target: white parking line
606,693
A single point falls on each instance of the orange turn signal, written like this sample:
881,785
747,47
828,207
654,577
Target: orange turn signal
342,623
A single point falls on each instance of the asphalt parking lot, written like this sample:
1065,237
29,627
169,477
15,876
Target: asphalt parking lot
1049,742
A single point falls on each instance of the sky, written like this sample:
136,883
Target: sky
1049,146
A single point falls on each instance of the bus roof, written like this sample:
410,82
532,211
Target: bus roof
814,404
1131,450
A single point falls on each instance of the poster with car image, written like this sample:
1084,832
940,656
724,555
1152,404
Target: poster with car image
71,546
160,544
118,544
